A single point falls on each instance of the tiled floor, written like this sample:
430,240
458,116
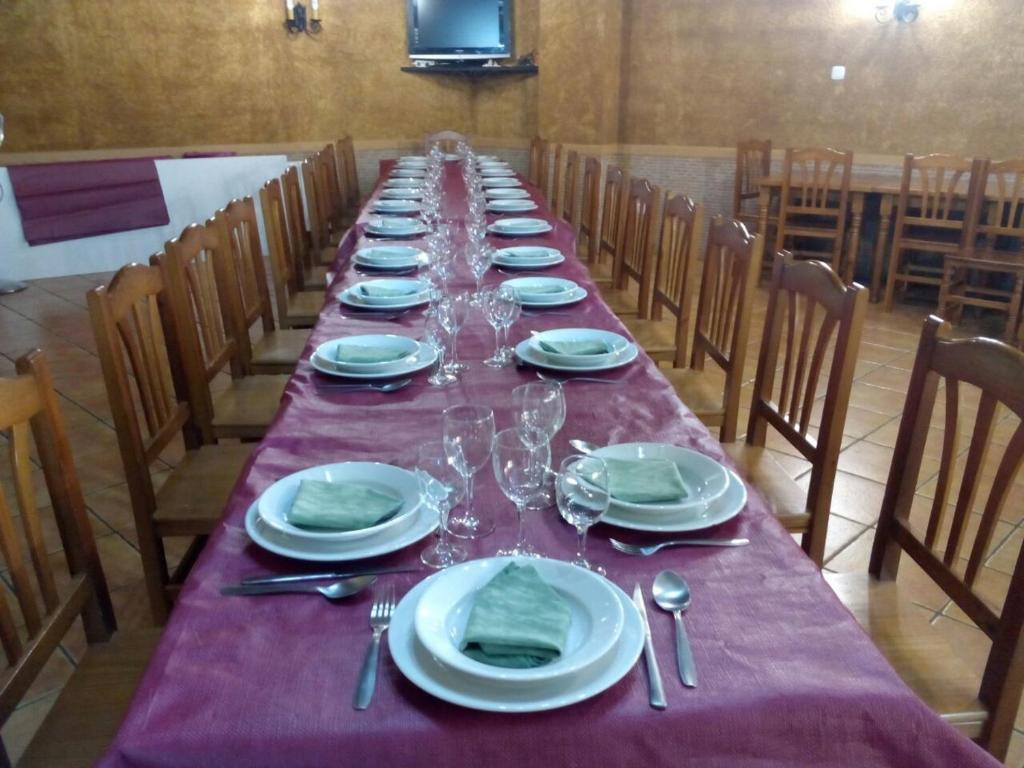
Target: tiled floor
52,315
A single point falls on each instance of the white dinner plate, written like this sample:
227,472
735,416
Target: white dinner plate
725,508
385,257
614,342
519,227
275,502
399,226
425,358
416,183
350,298
408,173
402,193
422,523
416,291
501,181
492,171
506,193
421,159
595,624
526,353
528,257
569,292
704,478
511,206
387,205
328,352
420,668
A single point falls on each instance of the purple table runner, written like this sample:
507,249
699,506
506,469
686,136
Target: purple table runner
67,201
787,677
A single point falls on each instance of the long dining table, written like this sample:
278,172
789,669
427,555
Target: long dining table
787,677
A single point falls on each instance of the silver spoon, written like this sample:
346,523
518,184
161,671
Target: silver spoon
646,551
672,594
336,591
391,386
583,446
570,379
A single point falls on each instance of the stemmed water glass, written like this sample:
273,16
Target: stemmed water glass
539,408
440,490
499,306
437,337
581,489
468,438
521,471
452,311
480,256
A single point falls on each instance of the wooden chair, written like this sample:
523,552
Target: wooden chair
537,172
567,204
662,339
613,206
813,318
555,187
732,263
88,710
813,204
274,350
295,308
447,140
323,252
753,162
588,240
931,211
196,268
633,257
983,709
327,167
307,275
967,275
349,173
143,373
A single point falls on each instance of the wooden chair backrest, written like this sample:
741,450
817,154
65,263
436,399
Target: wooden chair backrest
812,330
248,295
948,366
298,234
932,191
568,206
753,162
682,224
1000,199
282,269
612,211
332,183
537,169
590,207
316,204
732,262
29,412
639,241
816,181
349,170
448,140
555,189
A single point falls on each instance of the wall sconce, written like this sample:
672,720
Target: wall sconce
904,12
296,21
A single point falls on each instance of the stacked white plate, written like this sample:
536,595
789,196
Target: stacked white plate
412,161
491,171
511,206
546,291
390,257
604,641
528,257
417,357
407,293
399,226
403,183
267,524
714,494
396,207
621,351
519,227
408,173
506,193
402,193
501,181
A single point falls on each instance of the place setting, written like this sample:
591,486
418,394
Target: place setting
385,295
577,350
546,292
511,205
392,183
390,258
519,227
527,257
402,192
506,193
501,181
387,206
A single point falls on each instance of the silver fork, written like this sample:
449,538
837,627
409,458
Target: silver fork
636,549
570,379
380,618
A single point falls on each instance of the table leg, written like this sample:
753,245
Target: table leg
854,252
881,241
764,196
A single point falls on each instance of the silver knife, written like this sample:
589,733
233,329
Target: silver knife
328,576
653,673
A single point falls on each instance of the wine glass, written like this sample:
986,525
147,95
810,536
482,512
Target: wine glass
512,311
468,437
539,411
581,489
436,336
440,490
452,311
498,304
481,256
520,471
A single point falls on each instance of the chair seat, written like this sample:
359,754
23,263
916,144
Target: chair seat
89,710
192,500
698,394
278,351
601,274
917,651
621,301
303,309
326,255
989,259
316,278
657,337
788,501
928,245
246,408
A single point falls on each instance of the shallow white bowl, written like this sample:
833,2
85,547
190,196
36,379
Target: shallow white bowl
615,342
328,351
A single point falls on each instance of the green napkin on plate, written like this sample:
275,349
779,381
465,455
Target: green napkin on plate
358,353
382,292
340,506
594,347
644,481
528,289
517,621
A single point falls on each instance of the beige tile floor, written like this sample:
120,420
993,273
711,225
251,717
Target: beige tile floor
51,314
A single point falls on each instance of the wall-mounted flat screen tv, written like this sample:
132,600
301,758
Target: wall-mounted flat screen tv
460,29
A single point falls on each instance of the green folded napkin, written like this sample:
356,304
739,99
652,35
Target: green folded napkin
594,347
358,353
340,506
381,292
545,289
517,621
644,481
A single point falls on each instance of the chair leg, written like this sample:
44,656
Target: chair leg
1013,309
948,271
890,278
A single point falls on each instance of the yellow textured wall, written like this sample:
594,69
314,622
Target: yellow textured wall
705,72
80,74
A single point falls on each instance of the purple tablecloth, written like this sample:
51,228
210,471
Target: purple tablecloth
66,201
787,677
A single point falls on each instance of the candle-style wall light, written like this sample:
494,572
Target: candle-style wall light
297,21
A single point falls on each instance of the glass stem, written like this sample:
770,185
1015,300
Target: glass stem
469,497
442,536
455,347
521,538
497,342
581,545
